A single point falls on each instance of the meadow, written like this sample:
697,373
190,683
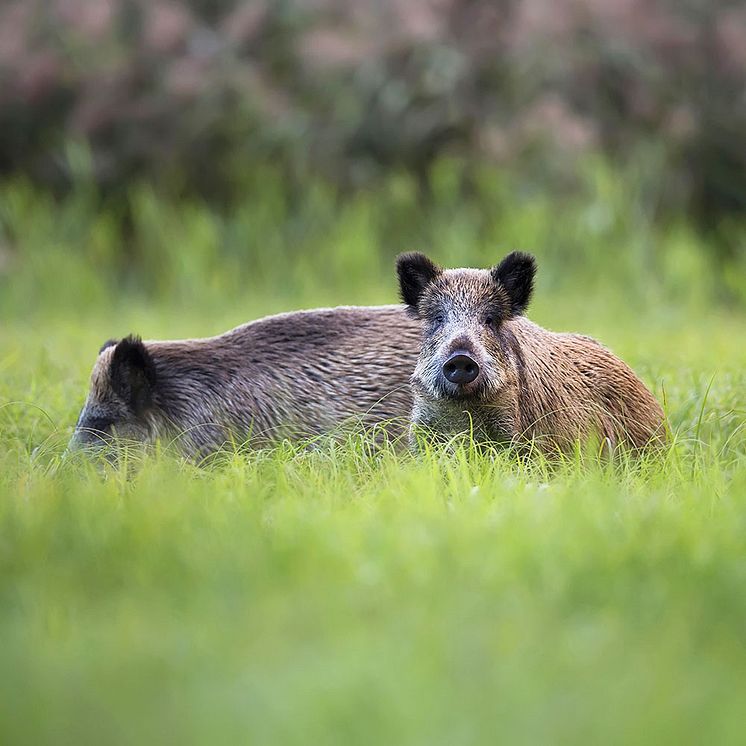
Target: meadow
346,596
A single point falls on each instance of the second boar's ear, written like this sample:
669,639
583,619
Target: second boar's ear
415,272
107,344
133,374
516,274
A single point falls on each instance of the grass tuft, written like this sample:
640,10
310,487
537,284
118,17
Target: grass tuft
345,591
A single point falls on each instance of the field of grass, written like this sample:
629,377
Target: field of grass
295,596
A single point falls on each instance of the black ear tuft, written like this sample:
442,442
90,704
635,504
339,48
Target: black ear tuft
107,344
516,274
133,373
415,272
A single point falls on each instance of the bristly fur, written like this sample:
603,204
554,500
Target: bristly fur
415,272
294,375
516,274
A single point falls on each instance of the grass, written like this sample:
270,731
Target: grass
295,596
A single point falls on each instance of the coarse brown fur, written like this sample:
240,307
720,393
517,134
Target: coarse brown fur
296,374
532,385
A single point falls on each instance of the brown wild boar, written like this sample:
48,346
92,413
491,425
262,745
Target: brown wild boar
295,374
485,368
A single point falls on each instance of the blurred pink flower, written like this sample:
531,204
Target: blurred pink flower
730,34
167,26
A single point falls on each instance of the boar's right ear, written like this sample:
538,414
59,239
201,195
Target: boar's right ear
516,274
133,373
415,272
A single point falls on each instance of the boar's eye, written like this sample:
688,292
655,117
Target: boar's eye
490,320
100,424
438,319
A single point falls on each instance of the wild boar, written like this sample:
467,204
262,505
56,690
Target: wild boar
296,374
485,368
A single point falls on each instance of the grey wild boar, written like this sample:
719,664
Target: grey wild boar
485,368
296,374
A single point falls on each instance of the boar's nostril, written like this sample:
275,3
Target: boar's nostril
460,369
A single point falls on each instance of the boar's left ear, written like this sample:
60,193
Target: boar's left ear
415,272
133,373
516,274
107,344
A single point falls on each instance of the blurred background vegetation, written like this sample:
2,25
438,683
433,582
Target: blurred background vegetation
173,168
197,150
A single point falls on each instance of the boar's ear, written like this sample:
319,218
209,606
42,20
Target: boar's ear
516,274
133,373
107,344
415,272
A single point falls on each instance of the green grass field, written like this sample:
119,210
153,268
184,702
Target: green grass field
296,596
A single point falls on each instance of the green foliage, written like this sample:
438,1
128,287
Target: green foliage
340,597
268,252
194,95
336,594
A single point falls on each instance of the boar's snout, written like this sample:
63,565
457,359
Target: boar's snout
87,438
460,369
